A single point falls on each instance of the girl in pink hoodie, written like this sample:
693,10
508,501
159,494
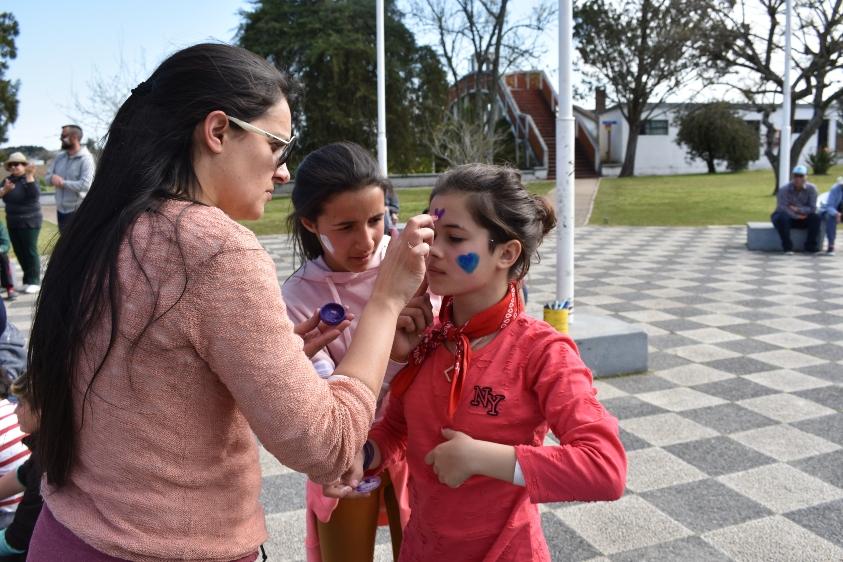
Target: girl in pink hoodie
338,229
470,412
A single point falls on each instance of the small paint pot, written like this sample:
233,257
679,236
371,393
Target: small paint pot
332,313
369,484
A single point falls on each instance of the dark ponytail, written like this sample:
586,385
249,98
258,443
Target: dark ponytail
500,203
147,158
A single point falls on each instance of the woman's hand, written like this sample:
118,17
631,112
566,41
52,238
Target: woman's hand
30,172
316,334
402,270
344,487
8,186
413,321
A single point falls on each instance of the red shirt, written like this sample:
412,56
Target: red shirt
528,380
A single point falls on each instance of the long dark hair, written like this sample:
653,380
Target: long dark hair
147,159
328,171
500,203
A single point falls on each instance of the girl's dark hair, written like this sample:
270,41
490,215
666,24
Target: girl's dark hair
5,383
147,158
499,202
21,388
324,173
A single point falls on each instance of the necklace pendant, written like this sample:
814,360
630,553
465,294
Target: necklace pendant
447,373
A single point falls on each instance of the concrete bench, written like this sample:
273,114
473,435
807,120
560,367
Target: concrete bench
762,236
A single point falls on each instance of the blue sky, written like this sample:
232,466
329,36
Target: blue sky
62,46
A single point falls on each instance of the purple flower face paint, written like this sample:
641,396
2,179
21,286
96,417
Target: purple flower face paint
438,213
468,262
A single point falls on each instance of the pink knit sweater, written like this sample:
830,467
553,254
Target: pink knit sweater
167,464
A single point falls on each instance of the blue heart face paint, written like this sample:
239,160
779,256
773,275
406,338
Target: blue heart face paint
468,262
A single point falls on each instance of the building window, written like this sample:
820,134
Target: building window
653,127
799,125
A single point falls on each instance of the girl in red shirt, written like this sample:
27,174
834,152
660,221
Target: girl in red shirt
471,410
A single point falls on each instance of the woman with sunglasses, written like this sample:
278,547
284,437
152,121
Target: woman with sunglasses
22,198
161,346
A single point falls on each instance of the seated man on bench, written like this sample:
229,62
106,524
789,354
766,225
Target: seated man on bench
831,211
797,208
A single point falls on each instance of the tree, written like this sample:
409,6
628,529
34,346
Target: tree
8,88
95,107
643,51
329,46
713,131
484,33
459,141
748,42
31,151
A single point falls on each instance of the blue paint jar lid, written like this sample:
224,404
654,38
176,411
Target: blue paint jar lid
332,313
368,484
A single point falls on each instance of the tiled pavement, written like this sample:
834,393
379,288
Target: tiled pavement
735,439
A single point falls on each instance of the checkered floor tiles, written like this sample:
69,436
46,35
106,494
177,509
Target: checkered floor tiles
735,437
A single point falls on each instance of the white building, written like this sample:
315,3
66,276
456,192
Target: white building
658,153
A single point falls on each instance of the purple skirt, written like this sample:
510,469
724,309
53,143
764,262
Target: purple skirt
53,541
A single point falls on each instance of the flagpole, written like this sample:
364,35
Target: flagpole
784,140
565,139
381,89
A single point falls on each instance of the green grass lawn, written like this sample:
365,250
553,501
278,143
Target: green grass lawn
47,237
691,200
413,202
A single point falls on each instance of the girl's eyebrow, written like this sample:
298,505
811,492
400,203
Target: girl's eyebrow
453,225
345,223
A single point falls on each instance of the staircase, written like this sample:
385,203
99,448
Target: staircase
583,166
529,103
532,103
534,96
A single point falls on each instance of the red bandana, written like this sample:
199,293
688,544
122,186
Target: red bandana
491,320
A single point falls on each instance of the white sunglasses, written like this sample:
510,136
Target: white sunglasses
288,144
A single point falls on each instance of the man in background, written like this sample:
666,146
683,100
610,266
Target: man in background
71,173
797,208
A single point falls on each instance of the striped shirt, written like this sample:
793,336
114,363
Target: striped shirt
13,452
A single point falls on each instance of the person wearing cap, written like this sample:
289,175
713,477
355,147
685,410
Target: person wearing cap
71,173
797,208
22,198
831,212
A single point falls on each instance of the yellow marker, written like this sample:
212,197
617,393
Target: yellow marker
557,318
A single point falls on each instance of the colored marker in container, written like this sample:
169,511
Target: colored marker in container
368,484
332,314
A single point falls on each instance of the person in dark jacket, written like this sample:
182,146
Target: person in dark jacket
22,198
14,540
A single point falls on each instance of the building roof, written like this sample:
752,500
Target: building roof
675,105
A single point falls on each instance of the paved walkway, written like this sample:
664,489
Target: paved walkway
735,439
585,190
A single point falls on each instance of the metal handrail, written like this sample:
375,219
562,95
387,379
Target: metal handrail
529,125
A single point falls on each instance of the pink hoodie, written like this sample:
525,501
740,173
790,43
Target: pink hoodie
312,286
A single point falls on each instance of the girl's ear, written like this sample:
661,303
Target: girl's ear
309,225
509,253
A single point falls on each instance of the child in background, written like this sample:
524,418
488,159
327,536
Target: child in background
13,453
7,276
472,409
338,227
14,540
